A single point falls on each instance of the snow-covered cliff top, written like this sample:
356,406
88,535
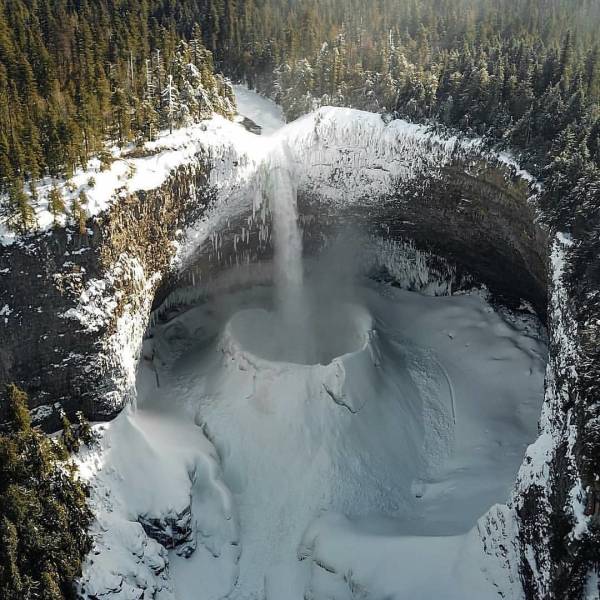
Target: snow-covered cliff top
348,153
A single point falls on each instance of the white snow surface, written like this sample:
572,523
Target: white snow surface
361,470
359,474
263,111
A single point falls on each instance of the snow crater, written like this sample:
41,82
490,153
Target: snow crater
354,470
261,334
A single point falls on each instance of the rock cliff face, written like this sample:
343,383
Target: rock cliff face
556,497
478,218
73,308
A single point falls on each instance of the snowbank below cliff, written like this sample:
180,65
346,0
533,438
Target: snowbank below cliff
364,473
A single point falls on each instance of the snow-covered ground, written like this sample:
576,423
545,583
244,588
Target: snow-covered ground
359,471
264,112
365,474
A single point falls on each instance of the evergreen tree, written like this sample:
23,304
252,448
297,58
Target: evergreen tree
75,75
84,429
19,211
12,586
19,411
56,204
43,512
69,438
79,213
171,106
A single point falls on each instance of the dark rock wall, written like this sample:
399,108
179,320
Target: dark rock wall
58,360
479,219
557,498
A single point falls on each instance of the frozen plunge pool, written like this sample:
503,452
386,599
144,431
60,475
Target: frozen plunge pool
365,470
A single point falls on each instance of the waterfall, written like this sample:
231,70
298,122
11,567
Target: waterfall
292,306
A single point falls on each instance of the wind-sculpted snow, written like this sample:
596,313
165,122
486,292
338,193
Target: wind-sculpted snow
173,465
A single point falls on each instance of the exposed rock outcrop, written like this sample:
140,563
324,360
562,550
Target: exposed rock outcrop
173,531
76,306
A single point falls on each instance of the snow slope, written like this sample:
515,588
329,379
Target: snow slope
361,470
364,474
263,111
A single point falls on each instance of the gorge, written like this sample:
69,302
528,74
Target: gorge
345,466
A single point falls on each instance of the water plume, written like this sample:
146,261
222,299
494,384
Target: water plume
291,302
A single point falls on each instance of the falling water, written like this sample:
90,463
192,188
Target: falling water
291,302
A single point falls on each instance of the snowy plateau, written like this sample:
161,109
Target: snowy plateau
373,463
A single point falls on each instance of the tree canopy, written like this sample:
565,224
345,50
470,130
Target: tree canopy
74,74
43,512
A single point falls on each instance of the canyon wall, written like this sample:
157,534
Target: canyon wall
73,308
75,305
